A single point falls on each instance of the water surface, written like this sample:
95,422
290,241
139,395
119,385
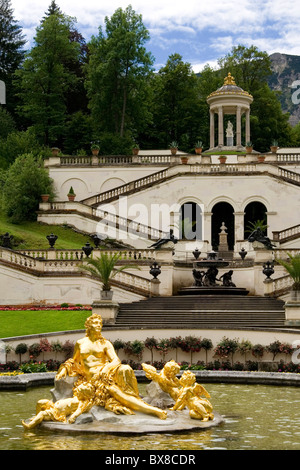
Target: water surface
256,417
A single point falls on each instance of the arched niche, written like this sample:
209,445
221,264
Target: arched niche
79,186
111,183
222,212
254,211
191,221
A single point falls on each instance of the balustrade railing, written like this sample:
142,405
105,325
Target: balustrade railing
65,261
290,157
287,233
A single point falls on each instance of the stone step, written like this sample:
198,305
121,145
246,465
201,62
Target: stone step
203,311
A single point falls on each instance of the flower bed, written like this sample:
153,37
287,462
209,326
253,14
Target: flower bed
31,308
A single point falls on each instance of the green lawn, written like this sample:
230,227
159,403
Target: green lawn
32,235
22,323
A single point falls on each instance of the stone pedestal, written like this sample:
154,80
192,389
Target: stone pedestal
155,283
108,309
223,244
95,160
268,287
292,310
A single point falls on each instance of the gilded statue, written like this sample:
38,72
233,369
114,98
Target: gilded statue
102,380
46,410
97,367
190,395
184,391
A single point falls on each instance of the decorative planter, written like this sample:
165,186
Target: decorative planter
55,151
273,149
184,160
249,149
174,151
71,197
95,152
106,294
135,151
45,197
222,160
261,158
198,150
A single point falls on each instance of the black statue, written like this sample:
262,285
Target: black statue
163,241
210,277
258,236
198,277
227,279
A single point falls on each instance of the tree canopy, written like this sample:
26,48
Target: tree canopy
117,74
69,93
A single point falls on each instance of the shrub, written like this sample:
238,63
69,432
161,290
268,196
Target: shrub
226,347
21,348
151,343
274,348
118,344
134,348
33,367
25,181
34,350
258,350
68,349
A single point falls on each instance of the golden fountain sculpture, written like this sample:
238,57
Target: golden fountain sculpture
103,381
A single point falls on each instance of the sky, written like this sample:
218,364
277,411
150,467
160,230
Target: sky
201,31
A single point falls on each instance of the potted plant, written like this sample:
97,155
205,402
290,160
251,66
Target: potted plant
198,147
249,147
274,146
45,197
293,268
71,194
135,149
55,151
261,158
174,147
257,224
222,159
95,149
104,269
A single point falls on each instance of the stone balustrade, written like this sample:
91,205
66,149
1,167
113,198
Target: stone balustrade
290,232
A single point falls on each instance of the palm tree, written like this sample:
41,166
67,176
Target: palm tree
293,268
103,268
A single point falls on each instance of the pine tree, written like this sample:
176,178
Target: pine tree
46,78
52,10
11,49
117,73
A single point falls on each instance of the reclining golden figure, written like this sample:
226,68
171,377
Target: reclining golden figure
96,363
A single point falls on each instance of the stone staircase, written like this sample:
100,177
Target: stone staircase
205,311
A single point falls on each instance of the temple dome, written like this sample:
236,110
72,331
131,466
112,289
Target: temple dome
229,88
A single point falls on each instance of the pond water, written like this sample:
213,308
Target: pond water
256,417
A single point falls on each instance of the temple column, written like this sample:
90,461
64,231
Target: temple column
248,135
221,127
212,129
238,126
239,226
207,229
